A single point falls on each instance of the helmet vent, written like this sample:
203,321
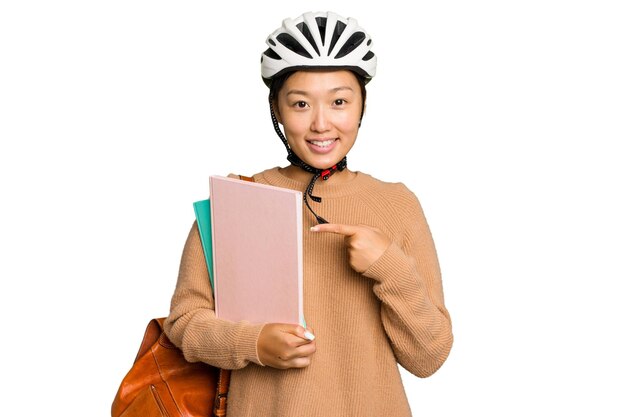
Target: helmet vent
307,34
321,25
271,53
351,44
292,44
368,56
339,28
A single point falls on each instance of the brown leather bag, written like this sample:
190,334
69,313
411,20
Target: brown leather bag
162,383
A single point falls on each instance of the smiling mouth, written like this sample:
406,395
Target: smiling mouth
322,143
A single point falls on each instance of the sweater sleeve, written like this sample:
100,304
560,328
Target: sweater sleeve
192,324
408,283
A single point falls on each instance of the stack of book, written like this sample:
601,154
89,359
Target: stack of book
251,234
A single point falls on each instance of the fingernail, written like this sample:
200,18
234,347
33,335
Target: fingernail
314,229
308,335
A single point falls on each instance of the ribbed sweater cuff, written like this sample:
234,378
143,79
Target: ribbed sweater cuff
247,342
391,265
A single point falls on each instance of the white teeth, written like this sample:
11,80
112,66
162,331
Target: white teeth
322,144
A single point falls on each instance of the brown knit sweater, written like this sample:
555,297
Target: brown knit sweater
364,323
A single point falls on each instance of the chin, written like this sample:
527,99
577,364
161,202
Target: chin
323,164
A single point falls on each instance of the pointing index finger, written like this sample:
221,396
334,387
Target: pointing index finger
340,229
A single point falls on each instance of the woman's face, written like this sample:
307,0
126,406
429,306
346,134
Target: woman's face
320,112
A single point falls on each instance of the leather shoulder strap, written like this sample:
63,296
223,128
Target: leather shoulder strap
221,393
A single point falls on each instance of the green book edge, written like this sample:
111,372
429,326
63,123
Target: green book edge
203,217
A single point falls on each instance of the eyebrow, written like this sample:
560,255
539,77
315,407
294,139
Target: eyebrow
332,90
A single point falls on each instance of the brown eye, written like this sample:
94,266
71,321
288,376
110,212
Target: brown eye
301,104
340,102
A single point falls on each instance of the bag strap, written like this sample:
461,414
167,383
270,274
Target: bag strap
221,393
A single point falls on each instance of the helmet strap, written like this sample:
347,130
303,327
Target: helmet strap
294,159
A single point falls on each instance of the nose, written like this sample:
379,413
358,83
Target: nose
320,122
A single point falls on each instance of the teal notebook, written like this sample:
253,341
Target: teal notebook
203,216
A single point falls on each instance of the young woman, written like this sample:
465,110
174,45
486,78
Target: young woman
372,284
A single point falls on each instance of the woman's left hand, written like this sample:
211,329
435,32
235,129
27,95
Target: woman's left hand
365,243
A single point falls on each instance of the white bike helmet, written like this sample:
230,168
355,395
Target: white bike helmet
318,40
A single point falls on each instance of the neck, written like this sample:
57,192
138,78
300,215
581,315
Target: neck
298,174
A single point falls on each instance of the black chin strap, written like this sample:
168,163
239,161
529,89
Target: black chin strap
317,173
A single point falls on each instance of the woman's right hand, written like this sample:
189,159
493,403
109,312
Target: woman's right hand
285,346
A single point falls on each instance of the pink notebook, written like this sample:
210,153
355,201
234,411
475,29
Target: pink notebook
257,251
